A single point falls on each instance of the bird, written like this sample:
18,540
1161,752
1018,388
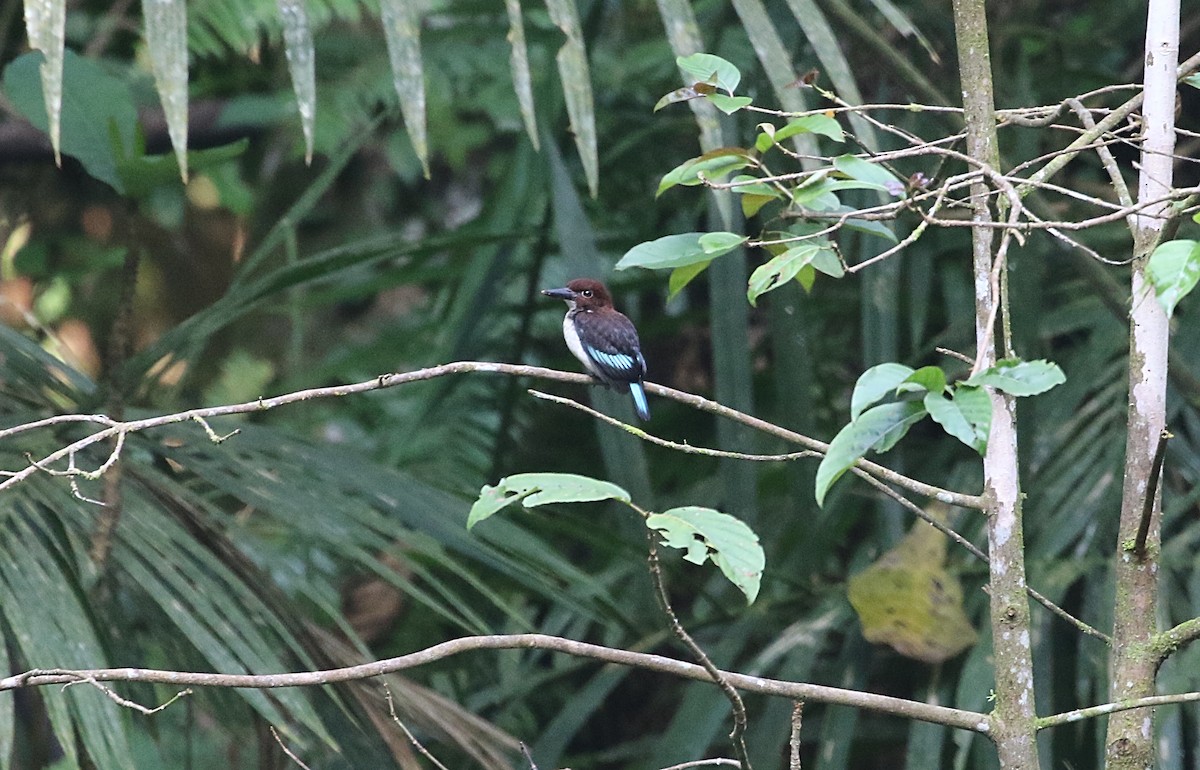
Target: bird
603,339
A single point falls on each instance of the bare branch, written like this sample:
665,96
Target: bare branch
951,717
286,750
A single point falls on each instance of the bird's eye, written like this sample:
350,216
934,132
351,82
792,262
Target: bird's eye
586,292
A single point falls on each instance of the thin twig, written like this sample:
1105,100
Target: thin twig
412,738
794,738
286,750
1160,452
737,735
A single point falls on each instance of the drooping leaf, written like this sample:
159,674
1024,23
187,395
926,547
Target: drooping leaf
1020,378
875,383
166,40
533,489
402,32
707,68
703,533
910,602
878,428
681,250
298,47
577,87
45,23
1174,269
685,94
519,64
976,406
682,276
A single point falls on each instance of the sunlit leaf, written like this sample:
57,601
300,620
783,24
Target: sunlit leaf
1174,269
878,428
1020,378
703,534
533,489
707,68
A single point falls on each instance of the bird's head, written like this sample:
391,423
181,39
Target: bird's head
582,293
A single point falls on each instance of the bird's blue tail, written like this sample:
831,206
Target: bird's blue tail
639,400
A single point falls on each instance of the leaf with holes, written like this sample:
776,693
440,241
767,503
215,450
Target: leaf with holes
702,534
534,489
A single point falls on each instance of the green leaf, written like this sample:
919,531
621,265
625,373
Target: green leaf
779,270
99,120
864,171
947,413
703,533
682,250
534,489
770,136
685,94
878,428
1193,80
519,64
1020,378
826,260
706,68
577,87
975,405
872,227
1174,269
710,165
875,383
166,40
930,378
682,276
729,104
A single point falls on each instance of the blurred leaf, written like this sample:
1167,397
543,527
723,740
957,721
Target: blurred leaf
682,250
878,428
577,87
1174,269
707,68
534,489
1020,378
92,100
1193,80
45,23
870,173
709,166
402,30
908,601
703,533
930,378
298,47
685,94
519,64
729,104
166,39
809,124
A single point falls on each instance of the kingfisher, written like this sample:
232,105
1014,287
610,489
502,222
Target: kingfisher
603,339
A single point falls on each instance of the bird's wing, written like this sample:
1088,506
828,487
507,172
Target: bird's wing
611,343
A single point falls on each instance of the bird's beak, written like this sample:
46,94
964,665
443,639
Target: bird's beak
564,294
